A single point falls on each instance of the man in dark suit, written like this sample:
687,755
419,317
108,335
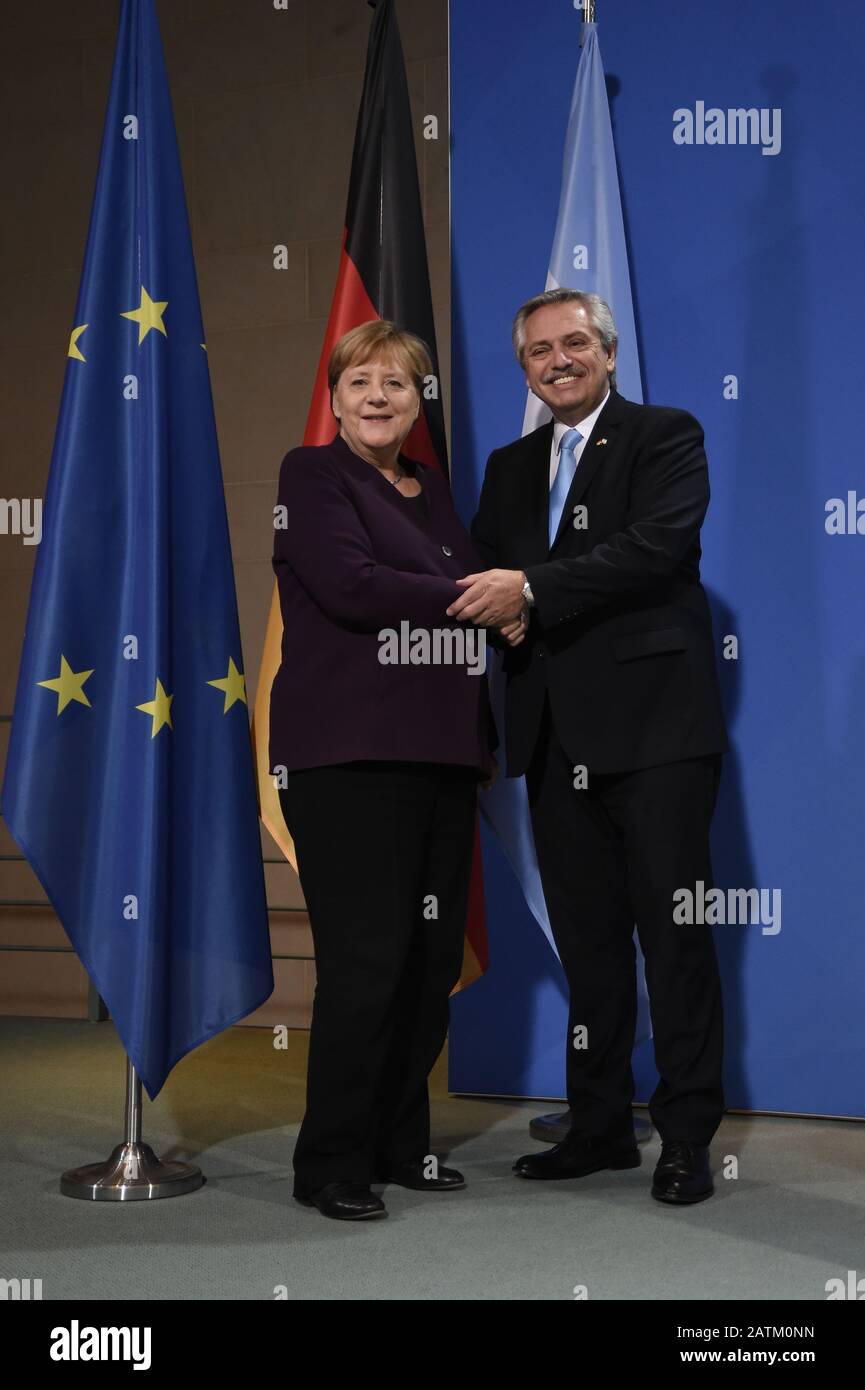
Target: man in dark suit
590,527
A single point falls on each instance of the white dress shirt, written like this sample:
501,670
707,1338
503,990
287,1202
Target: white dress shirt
559,431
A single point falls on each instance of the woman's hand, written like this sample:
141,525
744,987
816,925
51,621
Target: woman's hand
491,598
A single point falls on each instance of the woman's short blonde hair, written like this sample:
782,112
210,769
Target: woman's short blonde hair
377,339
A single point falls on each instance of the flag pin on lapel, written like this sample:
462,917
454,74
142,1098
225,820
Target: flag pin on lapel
598,442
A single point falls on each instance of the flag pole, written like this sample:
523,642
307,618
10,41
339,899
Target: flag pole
132,1172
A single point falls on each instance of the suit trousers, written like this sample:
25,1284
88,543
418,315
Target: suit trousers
611,855
384,854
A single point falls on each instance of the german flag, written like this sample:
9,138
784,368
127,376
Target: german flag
383,274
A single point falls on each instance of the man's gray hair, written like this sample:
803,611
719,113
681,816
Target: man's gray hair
598,310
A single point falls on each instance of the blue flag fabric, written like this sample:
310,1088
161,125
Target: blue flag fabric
589,253
589,248
129,780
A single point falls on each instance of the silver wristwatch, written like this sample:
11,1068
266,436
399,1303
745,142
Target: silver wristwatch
528,595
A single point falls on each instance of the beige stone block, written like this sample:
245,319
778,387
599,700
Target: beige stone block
57,23
290,1005
14,593
30,926
18,882
254,586
338,37
30,391
423,26
53,172
250,519
272,163
21,518
415,77
437,152
290,935
41,83
97,62
243,289
262,384
226,45
283,891
322,258
437,234
40,304
43,984
443,343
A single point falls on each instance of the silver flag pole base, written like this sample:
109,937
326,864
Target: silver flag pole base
133,1173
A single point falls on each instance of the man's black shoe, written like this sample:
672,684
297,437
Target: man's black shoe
682,1174
577,1156
413,1175
345,1201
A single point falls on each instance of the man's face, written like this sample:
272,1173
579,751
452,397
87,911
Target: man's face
565,362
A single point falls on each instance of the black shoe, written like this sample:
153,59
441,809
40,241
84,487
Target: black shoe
579,1155
682,1173
345,1201
413,1175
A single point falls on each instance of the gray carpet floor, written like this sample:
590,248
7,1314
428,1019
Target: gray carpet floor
792,1218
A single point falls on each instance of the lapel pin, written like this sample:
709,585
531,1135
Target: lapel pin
598,442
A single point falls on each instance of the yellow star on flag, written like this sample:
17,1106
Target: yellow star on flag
159,708
68,685
148,315
234,685
74,350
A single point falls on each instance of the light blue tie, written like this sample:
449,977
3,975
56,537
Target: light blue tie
563,479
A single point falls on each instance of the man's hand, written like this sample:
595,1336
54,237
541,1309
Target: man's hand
491,599
514,632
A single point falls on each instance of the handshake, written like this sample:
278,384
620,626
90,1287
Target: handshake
494,599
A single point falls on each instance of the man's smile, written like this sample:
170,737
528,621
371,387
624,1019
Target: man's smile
564,380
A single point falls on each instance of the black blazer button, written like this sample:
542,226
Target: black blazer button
446,550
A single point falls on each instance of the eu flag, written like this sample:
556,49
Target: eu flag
129,780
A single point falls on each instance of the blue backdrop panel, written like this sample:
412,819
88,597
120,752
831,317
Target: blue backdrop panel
745,265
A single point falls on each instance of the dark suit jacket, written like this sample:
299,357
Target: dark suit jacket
354,558
621,634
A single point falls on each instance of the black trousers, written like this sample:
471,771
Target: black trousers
384,855
612,855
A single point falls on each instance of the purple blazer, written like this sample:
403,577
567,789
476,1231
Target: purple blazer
353,558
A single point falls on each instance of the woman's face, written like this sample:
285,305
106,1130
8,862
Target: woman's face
376,404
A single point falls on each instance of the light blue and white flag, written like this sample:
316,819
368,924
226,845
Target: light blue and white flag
589,253
589,250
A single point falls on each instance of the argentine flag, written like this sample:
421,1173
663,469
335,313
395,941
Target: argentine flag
589,253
